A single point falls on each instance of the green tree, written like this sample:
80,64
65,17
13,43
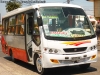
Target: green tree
12,4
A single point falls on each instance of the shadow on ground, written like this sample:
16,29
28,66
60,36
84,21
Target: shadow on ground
56,71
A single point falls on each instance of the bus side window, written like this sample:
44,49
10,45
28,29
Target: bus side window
11,30
11,27
20,24
20,29
30,23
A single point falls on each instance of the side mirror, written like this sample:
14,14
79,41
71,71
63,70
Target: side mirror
39,18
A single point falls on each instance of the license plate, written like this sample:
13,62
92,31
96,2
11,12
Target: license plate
75,58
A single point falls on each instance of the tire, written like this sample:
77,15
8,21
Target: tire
38,64
12,57
84,66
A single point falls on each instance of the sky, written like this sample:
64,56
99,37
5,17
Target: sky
87,5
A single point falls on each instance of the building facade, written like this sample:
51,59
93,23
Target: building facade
96,9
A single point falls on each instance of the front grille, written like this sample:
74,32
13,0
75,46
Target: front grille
75,49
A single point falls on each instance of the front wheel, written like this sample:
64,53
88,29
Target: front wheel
84,66
39,67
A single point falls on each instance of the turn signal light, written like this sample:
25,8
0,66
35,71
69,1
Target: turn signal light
93,57
54,61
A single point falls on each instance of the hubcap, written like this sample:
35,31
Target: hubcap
39,65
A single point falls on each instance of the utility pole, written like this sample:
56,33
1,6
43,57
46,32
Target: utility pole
68,1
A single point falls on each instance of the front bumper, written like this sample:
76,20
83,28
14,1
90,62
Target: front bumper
54,60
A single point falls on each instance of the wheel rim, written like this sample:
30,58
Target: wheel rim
39,65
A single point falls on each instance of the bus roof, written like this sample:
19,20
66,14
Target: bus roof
19,10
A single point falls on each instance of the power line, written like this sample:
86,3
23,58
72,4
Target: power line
24,1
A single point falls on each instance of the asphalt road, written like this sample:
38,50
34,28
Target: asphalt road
7,67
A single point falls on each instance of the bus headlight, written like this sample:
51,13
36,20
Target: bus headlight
55,51
93,47
51,51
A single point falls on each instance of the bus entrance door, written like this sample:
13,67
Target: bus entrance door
29,23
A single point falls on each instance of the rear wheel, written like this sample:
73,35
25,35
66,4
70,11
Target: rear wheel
84,66
12,57
39,67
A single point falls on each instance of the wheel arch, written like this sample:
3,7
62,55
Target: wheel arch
10,52
34,58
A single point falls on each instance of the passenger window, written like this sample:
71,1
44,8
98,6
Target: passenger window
20,24
19,30
11,27
30,24
20,19
12,21
11,30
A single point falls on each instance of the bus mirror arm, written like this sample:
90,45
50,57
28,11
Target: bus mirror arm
39,21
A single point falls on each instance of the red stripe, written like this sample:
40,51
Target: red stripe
20,54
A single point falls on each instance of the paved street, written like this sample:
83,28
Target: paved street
7,67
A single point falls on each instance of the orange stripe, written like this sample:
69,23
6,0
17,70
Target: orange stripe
76,43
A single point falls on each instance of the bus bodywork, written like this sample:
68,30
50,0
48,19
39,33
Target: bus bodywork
49,35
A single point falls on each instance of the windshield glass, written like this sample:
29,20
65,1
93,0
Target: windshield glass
65,22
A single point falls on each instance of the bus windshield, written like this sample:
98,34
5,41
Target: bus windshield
66,22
